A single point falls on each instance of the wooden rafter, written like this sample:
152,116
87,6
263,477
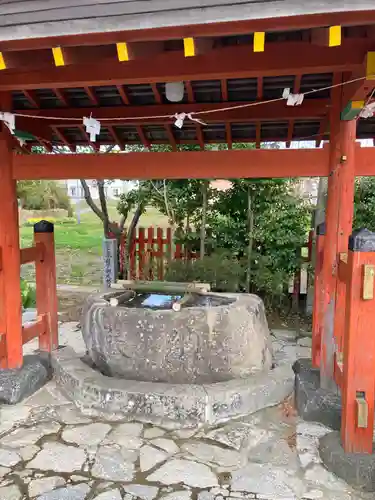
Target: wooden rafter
171,137
142,137
190,92
200,135
61,96
224,90
259,88
228,133
124,95
62,138
258,134
290,133
116,137
322,130
92,96
156,93
32,98
297,84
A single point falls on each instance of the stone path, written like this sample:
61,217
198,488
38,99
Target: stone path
50,451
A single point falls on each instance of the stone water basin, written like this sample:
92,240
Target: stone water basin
213,338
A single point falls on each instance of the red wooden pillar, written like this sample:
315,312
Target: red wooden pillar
358,387
46,293
318,303
339,215
346,186
10,293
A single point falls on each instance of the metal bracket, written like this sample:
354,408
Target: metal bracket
368,282
343,257
362,410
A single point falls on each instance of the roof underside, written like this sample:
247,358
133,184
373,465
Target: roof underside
227,73
201,92
23,19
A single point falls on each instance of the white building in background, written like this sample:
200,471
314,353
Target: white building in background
113,189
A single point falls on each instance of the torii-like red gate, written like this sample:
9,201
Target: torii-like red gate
235,71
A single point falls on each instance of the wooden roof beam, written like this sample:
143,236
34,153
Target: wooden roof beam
171,137
142,137
32,98
63,139
61,97
259,88
227,62
116,137
322,129
258,135
233,163
157,95
224,90
200,136
290,133
123,94
92,96
228,134
190,92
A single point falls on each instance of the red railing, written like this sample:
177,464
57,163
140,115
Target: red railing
150,250
46,325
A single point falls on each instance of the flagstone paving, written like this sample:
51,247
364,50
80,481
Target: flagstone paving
50,451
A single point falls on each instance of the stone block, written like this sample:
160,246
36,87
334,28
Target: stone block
175,405
18,384
357,469
313,403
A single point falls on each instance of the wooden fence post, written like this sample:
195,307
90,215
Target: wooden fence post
46,293
358,385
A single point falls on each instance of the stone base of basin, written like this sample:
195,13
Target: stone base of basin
173,405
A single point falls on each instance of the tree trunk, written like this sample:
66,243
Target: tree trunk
250,218
204,218
129,238
103,203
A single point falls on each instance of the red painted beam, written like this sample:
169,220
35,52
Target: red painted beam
217,29
123,94
289,58
311,108
197,164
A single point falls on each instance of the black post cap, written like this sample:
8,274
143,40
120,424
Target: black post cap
362,240
43,226
321,229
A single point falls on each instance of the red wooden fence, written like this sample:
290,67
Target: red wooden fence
150,249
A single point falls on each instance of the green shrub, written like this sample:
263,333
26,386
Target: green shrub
28,294
224,273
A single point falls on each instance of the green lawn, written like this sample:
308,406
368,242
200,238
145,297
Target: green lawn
79,247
